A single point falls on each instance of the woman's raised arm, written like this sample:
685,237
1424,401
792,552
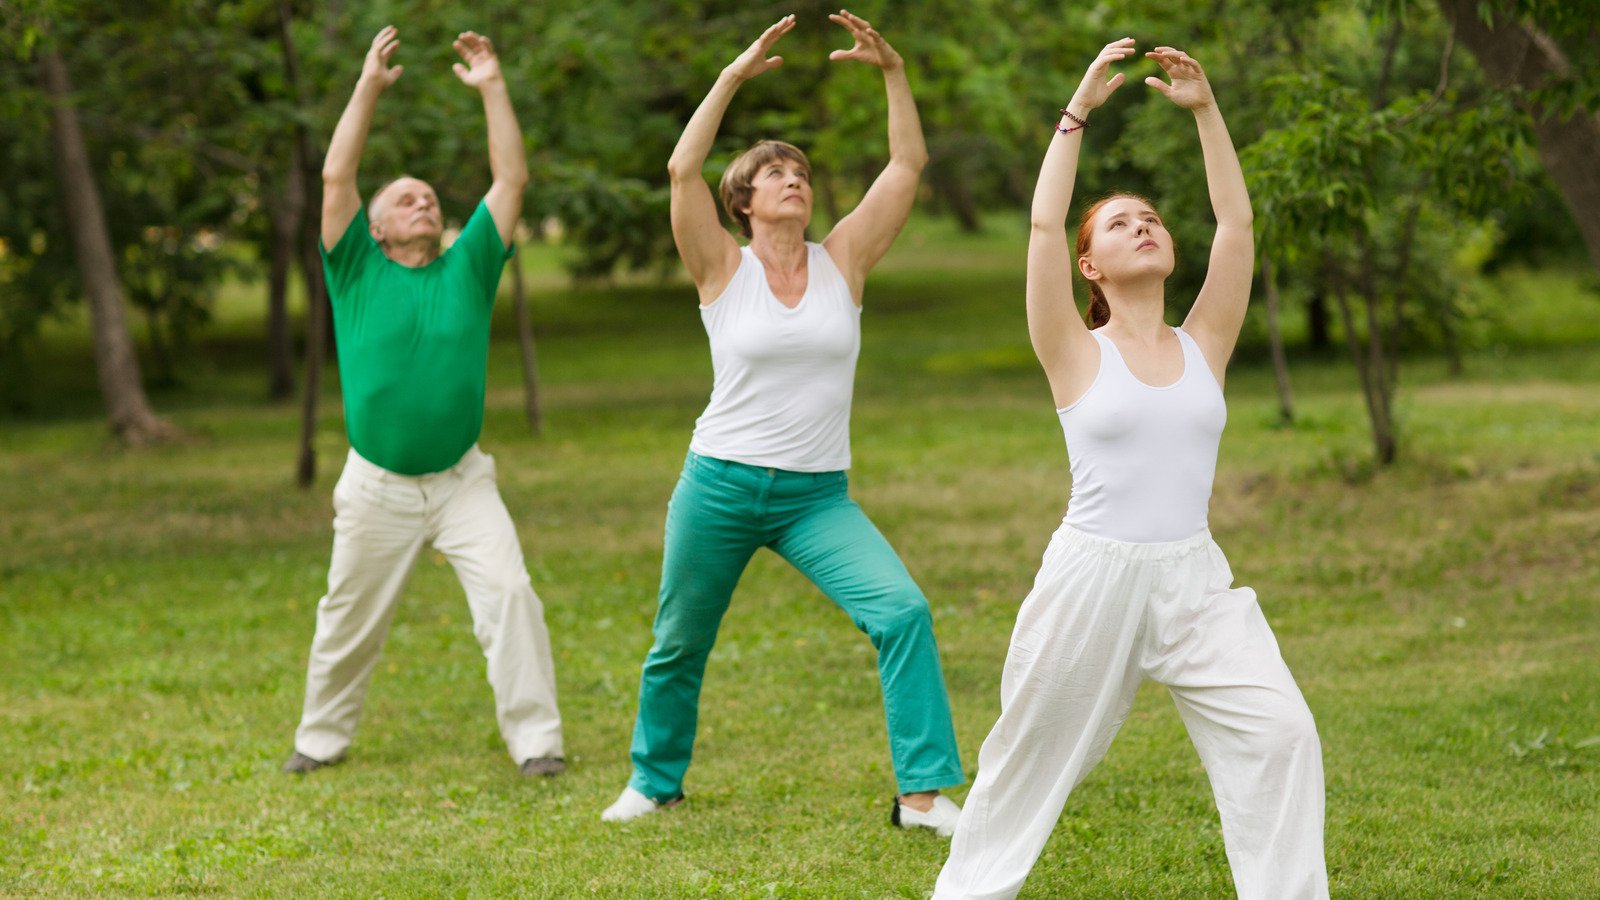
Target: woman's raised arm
1218,311
861,238
1060,339
709,253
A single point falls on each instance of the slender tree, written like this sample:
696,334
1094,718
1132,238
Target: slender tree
131,417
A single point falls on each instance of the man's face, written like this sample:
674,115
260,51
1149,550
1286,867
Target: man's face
406,211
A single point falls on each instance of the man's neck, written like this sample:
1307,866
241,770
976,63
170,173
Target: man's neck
413,254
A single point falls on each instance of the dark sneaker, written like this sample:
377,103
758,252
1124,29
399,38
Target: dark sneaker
548,766
299,763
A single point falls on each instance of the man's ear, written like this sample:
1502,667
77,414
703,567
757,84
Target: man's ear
376,230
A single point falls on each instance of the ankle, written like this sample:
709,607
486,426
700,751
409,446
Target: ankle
921,801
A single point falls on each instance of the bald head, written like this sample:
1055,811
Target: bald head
405,212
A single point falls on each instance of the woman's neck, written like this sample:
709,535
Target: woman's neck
782,249
1138,311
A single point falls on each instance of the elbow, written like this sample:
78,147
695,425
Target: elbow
337,175
913,161
679,171
1040,225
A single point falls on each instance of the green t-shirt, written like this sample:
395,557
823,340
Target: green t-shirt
414,344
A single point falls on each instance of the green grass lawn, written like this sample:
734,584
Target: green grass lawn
156,607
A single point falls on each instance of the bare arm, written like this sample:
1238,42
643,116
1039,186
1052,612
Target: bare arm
1060,339
861,238
507,161
709,253
340,198
1218,311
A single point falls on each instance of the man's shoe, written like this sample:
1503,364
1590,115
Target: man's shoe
548,766
300,764
941,818
632,804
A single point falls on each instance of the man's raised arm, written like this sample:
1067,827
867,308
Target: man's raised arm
507,161
340,198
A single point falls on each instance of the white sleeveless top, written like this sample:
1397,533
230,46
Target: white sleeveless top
1143,458
781,378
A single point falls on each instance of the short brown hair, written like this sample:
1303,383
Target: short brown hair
736,181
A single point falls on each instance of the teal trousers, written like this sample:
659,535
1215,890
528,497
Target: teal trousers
722,512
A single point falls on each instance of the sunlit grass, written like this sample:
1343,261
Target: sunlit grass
155,609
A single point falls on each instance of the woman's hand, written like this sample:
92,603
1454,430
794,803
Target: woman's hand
1189,88
754,60
870,47
1095,88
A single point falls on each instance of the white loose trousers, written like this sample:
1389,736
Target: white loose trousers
381,520
1104,615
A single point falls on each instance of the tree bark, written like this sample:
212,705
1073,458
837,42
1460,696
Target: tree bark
285,211
307,162
121,386
530,356
1280,359
1516,54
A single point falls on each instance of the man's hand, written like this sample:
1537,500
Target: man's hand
376,68
482,66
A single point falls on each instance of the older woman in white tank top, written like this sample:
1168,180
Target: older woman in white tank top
766,466
1132,586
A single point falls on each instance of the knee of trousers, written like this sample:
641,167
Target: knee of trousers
1293,731
902,615
678,646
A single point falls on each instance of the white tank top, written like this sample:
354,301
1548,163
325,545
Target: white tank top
1143,458
781,378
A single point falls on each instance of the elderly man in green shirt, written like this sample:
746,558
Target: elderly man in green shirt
413,329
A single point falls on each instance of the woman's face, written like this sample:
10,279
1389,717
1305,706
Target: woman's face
781,190
1129,242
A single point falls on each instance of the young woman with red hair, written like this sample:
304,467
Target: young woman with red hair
1132,585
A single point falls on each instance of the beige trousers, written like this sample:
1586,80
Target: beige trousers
381,521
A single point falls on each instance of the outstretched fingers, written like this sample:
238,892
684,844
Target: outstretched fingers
870,46
1188,86
473,46
1096,86
771,36
384,44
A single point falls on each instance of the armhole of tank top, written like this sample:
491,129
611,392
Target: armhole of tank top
744,260
1099,373
838,274
1189,343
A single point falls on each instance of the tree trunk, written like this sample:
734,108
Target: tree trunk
308,163
1318,334
285,209
132,420
530,356
1516,54
1280,360
1383,436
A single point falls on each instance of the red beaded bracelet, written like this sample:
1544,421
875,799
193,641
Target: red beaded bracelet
1082,123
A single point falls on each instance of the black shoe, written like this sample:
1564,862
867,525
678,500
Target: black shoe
548,766
300,764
